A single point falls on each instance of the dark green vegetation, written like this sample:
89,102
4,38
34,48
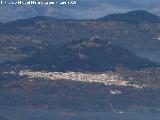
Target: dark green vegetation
94,54
133,17
77,96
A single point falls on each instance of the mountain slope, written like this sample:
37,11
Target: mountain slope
139,38
133,16
95,54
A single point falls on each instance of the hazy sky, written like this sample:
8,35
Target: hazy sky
85,9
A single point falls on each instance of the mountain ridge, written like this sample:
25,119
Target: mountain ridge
113,17
42,32
133,16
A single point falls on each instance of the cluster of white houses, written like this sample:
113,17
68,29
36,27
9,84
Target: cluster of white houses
105,78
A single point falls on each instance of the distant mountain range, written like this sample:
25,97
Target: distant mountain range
91,9
133,16
49,43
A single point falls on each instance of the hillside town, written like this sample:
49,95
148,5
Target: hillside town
104,78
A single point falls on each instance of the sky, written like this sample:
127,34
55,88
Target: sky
84,9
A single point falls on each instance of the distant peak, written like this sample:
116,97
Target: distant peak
42,18
133,16
140,13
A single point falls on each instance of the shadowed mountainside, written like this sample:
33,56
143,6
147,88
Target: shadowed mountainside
133,17
94,54
140,35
